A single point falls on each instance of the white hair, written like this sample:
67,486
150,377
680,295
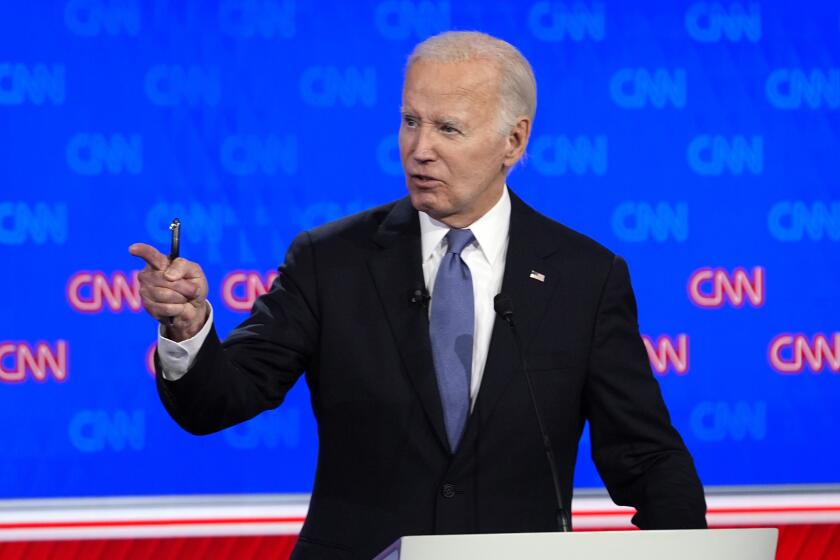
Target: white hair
518,87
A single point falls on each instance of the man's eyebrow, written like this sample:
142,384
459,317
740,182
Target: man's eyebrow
453,121
450,121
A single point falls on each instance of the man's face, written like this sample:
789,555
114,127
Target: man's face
454,158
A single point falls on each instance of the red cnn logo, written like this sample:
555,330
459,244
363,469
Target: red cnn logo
90,292
664,355
241,288
789,353
710,288
19,358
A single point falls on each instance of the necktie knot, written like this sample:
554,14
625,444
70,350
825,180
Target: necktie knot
458,239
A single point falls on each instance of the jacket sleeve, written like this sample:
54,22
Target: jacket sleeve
639,454
254,368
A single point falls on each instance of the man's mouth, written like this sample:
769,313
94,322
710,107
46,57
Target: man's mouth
420,178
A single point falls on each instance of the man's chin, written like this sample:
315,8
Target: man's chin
426,202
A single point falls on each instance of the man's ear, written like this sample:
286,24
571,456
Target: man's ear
517,141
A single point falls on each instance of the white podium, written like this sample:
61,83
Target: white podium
714,544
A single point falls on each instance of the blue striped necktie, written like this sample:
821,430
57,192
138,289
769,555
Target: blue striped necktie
451,329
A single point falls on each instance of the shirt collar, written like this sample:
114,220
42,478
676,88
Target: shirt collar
490,230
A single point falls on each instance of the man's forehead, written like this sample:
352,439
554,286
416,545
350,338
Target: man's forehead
453,101
453,78
454,84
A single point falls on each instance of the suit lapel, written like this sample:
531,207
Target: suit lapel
528,246
397,270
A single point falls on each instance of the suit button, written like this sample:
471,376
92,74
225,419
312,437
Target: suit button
448,490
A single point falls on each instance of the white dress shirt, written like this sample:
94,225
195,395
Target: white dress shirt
485,257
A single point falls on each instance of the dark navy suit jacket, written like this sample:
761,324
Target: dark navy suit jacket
340,311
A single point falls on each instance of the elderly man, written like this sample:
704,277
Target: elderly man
425,422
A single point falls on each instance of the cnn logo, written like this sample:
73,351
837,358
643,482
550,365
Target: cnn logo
19,360
712,288
791,353
93,292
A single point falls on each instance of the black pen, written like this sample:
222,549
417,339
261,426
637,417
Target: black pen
175,246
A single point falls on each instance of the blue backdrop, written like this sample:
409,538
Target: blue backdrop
699,140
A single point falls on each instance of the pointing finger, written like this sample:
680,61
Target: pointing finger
154,258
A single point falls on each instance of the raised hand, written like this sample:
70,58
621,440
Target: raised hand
176,289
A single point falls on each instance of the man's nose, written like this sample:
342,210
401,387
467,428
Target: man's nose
424,146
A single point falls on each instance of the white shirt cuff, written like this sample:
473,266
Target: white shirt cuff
176,358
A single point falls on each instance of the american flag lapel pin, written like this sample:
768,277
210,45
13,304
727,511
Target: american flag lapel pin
538,276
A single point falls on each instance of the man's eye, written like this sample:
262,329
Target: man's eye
448,129
410,121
